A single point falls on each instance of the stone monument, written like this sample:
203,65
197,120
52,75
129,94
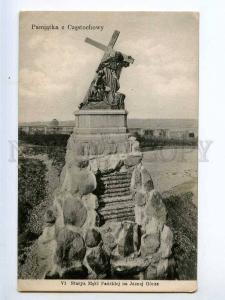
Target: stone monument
106,221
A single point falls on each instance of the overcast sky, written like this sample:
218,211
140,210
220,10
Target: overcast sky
57,66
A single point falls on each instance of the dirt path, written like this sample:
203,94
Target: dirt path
173,169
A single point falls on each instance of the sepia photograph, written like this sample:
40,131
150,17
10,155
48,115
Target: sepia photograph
108,151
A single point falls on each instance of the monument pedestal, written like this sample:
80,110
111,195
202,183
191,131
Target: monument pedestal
100,121
101,132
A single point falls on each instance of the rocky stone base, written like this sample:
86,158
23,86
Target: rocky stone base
107,221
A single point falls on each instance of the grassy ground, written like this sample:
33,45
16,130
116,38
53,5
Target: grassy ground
32,188
38,178
182,219
32,194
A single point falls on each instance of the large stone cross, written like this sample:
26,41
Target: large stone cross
109,51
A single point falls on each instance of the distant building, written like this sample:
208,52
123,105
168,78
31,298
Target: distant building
53,127
54,123
165,133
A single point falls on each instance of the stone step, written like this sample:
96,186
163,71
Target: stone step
121,219
115,180
118,175
108,190
117,184
118,211
115,194
117,206
117,216
116,199
114,185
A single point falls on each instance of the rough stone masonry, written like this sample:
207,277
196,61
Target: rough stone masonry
107,220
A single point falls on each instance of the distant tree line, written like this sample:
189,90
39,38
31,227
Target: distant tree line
151,142
41,139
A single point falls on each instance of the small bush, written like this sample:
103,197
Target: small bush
31,188
44,139
182,219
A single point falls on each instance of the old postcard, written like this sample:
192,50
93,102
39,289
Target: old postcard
108,151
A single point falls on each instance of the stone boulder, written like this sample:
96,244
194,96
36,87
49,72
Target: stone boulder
136,180
70,248
153,225
69,256
74,211
162,268
78,180
59,198
77,250
166,242
149,244
155,208
46,250
81,162
87,182
132,160
75,153
129,239
140,198
140,216
90,201
92,238
110,233
128,267
141,179
47,243
70,179
98,261
110,243
52,275
150,272
146,179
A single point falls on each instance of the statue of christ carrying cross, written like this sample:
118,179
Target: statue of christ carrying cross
103,92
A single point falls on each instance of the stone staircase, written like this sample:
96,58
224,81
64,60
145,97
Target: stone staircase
115,199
